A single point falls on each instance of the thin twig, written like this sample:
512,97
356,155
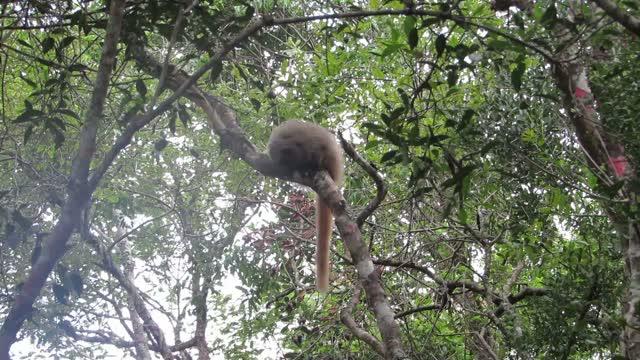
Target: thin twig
381,189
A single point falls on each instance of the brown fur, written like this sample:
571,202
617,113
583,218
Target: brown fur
303,146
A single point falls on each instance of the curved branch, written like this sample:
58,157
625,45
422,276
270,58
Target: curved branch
347,319
377,179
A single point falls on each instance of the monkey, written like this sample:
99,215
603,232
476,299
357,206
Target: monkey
303,146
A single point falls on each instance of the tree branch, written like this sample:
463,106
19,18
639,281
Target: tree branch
627,20
132,292
418,309
347,319
466,285
373,173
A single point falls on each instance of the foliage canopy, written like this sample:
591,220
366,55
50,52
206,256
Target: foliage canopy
495,239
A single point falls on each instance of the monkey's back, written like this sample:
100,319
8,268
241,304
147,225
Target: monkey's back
301,145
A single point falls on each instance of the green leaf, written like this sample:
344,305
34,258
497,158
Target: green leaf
172,121
412,38
248,13
550,16
31,83
410,30
256,103
388,156
396,113
141,88
529,136
516,75
390,49
452,77
27,133
386,119
441,43
25,44
409,24
66,42
30,113
45,62
47,45
51,82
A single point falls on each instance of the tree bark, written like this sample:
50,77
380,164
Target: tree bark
627,20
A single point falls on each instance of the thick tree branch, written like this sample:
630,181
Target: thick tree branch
79,193
200,271
138,122
97,337
109,338
627,20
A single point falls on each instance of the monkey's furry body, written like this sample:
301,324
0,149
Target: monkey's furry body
303,146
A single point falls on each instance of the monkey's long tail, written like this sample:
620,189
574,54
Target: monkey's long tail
324,225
